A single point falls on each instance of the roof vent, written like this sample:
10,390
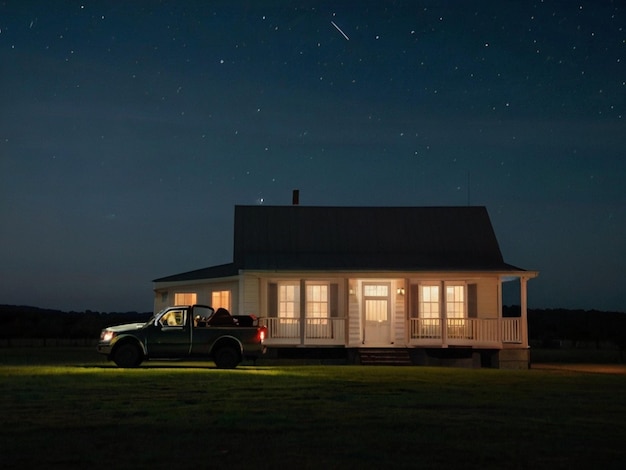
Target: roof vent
295,197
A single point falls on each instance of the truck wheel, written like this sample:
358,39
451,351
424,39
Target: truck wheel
127,355
226,357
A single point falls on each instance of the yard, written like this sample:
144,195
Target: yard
67,408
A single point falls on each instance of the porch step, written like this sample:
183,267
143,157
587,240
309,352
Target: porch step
384,357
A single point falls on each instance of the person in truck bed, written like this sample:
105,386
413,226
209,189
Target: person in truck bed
222,317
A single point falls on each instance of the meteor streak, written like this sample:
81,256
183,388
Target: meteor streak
339,29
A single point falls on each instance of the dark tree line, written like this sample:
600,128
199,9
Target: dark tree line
546,326
549,326
32,322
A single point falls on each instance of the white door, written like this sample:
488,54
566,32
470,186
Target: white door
376,314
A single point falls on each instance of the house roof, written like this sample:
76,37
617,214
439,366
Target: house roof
223,270
360,238
377,238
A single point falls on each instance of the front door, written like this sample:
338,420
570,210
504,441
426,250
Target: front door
377,314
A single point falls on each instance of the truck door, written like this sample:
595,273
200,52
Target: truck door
170,334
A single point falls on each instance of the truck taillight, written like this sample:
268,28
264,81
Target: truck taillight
262,333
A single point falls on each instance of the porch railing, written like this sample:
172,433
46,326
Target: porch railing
317,330
423,331
466,330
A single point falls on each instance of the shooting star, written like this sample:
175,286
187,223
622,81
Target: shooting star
339,29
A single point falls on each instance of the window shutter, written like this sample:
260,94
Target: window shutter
334,300
472,301
414,300
272,300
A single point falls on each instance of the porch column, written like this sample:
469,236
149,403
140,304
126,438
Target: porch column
499,293
302,312
444,317
524,310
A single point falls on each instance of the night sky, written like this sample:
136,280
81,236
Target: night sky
129,130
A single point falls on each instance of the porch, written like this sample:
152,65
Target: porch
314,331
470,332
423,332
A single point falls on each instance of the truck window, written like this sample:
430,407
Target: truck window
173,318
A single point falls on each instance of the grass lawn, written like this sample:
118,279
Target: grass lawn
68,408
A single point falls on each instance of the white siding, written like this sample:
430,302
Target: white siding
250,302
399,314
354,315
487,292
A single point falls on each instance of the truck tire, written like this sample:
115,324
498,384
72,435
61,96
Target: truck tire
127,355
226,357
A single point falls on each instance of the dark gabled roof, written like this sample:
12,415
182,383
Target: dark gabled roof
412,238
224,270
359,238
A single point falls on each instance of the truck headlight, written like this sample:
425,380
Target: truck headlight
107,335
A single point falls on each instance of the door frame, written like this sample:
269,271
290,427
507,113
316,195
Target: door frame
387,341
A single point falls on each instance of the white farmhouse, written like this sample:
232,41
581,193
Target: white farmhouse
420,285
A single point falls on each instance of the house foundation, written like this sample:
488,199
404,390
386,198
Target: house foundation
513,359
467,358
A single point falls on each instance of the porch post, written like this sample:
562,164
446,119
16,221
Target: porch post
500,312
302,312
444,317
524,311
499,294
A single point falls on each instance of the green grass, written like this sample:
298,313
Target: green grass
71,409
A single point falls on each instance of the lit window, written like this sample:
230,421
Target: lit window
185,298
429,302
289,300
378,290
455,301
220,299
317,300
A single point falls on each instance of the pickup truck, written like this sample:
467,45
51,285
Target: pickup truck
185,332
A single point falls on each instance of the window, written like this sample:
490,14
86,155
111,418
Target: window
376,290
289,300
317,311
301,309
429,302
173,318
284,310
185,298
458,327
317,300
220,299
455,301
